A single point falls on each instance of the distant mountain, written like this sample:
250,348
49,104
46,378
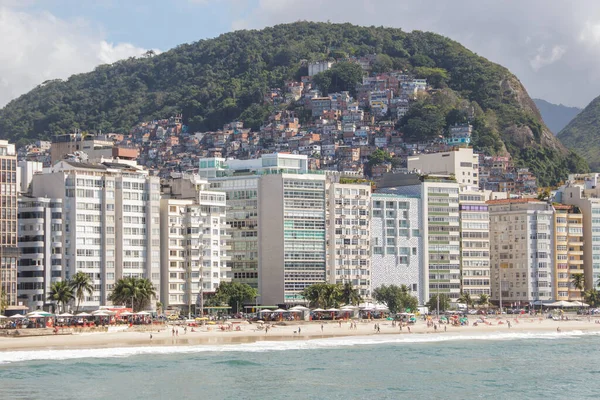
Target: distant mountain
556,116
212,82
582,134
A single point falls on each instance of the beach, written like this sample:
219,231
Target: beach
252,332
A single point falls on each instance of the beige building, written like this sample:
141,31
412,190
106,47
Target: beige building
9,251
194,243
583,192
348,235
568,241
522,251
461,163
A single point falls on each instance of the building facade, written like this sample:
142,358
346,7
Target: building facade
522,251
348,237
9,252
40,244
568,243
111,222
461,163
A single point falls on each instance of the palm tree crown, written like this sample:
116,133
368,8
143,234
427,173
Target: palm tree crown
61,292
81,284
135,291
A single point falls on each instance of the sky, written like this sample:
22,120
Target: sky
552,46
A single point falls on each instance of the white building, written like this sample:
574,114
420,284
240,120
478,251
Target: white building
26,170
111,222
193,244
348,235
397,242
40,244
318,67
461,163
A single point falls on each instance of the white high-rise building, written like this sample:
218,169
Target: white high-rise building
194,243
348,235
40,244
111,222
460,162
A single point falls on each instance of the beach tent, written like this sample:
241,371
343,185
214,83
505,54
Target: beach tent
279,310
561,303
39,314
143,313
580,304
104,312
17,316
332,310
126,313
3,317
300,308
318,310
83,314
265,311
101,314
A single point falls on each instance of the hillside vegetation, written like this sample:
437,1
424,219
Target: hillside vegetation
214,81
582,134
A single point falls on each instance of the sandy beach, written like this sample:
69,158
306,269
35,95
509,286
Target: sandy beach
213,335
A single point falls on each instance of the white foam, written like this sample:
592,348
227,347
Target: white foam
264,346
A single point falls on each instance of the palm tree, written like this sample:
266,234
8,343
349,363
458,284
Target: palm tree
349,294
81,284
578,281
61,292
484,300
136,291
466,298
592,297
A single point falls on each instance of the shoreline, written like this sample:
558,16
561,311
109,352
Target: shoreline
250,334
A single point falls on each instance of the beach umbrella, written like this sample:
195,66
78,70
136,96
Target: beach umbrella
143,313
65,315
3,317
107,312
348,307
300,308
332,310
279,310
318,310
265,311
101,314
126,313
260,322
294,311
38,314
17,316
83,314
580,304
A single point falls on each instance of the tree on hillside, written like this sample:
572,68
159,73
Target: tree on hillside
81,284
396,298
341,77
235,294
61,293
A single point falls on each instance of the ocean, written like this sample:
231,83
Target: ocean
433,366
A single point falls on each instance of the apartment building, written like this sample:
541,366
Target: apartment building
474,242
40,244
397,241
194,243
348,225
583,192
522,251
9,251
440,229
461,163
111,222
291,236
568,261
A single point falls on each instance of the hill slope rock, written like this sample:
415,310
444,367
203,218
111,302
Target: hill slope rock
556,116
582,134
215,81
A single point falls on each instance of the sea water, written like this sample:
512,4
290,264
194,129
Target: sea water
432,366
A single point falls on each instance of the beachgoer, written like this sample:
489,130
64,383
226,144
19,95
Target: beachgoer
173,332
321,327
445,328
558,329
408,327
508,324
299,330
378,328
435,327
150,336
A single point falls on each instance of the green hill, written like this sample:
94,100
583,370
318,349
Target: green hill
556,116
582,134
214,81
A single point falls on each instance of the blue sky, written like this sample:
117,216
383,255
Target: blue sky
158,24
553,46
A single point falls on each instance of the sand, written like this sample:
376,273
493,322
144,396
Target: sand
213,335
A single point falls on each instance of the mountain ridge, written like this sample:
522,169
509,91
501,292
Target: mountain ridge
214,81
582,134
556,116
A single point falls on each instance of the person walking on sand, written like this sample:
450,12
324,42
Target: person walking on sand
508,324
299,330
173,332
321,327
408,327
445,328
378,329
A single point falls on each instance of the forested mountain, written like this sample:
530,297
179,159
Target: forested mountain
214,81
556,116
582,134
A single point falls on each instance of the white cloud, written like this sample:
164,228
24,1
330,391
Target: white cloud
531,38
39,46
542,59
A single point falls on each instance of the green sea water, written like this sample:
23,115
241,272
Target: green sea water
496,366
